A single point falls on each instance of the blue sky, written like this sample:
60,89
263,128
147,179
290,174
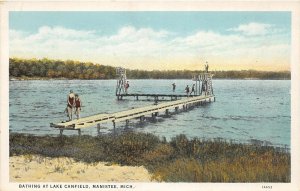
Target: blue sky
145,40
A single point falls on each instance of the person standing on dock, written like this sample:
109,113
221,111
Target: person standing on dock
193,89
77,106
126,86
174,87
206,68
187,90
70,105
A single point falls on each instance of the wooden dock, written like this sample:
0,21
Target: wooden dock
155,97
141,112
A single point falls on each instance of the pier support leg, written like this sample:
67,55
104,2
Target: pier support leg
127,122
142,118
98,129
61,132
79,132
176,109
167,112
154,115
155,99
114,124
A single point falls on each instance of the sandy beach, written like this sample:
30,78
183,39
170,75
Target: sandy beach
37,168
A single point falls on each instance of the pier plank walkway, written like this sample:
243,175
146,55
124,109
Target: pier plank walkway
97,119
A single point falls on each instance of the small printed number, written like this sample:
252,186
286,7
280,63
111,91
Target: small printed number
267,187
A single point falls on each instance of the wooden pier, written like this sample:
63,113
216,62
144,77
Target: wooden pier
155,97
136,113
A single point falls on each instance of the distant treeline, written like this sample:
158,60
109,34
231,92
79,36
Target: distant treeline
46,68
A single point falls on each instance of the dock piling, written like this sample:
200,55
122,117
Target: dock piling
114,124
61,132
98,129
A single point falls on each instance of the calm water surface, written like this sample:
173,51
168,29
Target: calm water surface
244,109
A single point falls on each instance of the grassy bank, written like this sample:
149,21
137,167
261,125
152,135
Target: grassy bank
179,160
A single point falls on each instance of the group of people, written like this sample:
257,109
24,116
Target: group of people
73,103
187,89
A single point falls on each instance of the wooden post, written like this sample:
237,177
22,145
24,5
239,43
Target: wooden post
167,111
196,87
61,132
127,122
156,99
154,115
79,132
114,124
176,109
142,118
98,129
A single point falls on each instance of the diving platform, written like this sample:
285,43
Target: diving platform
135,113
202,85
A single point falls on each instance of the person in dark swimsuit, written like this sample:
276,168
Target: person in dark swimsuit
77,106
70,104
187,90
174,87
193,89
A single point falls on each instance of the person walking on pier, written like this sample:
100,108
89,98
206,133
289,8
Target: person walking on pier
187,90
174,87
78,105
193,89
70,104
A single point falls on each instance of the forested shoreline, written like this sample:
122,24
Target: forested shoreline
69,69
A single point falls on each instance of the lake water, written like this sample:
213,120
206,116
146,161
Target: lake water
244,109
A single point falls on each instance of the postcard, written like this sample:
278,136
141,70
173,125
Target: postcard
151,95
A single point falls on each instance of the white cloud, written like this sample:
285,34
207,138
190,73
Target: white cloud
251,29
141,46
